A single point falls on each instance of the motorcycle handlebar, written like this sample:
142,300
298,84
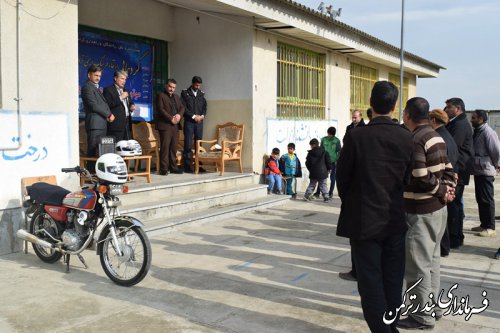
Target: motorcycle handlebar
68,170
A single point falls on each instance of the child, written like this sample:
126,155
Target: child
290,168
273,173
318,163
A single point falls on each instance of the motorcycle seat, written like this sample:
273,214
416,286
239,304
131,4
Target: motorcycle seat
47,193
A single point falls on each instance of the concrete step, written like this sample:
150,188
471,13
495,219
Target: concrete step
188,203
164,225
176,186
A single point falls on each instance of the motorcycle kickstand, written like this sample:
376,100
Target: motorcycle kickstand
82,261
66,260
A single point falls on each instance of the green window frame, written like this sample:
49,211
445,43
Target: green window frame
362,80
301,83
395,78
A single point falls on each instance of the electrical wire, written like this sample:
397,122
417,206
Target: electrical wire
36,16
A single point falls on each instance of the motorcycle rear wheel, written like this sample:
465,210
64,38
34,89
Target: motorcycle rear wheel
39,222
133,266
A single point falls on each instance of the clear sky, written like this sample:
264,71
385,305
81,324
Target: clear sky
461,35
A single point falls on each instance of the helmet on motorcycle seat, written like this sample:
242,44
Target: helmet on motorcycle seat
111,168
124,148
136,147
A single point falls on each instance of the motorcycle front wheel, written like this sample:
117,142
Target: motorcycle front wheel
133,265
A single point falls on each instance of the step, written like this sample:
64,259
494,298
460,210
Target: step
186,204
174,186
164,225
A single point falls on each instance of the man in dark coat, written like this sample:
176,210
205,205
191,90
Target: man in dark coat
121,107
195,104
170,111
97,113
357,120
461,130
373,168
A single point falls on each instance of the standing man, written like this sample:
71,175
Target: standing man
460,129
170,111
196,109
121,107
332,146
97,113
484,168
372,171
431,187
357,120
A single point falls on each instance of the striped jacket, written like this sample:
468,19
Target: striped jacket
431,173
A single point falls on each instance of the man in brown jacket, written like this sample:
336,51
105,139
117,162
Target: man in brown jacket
170,111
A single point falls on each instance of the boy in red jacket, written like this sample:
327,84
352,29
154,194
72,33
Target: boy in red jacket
273,174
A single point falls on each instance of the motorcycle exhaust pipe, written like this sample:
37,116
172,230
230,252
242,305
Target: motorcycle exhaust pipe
24,235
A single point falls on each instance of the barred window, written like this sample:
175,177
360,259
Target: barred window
301,83
394,78
362,80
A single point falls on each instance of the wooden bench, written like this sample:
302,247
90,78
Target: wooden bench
146,173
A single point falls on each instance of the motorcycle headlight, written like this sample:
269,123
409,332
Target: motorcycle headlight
115,189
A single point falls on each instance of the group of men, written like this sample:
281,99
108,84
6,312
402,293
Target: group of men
399,194
108,113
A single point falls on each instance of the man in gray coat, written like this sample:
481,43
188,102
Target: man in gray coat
484,168
97,112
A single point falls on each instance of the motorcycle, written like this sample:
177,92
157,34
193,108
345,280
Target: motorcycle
65,223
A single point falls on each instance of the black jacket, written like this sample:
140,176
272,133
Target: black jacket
461,131
351,126
117,108
372,171
318,163
194,105
451,146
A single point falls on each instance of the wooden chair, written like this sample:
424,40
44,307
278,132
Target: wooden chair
147,137
230,140
82,138
28,181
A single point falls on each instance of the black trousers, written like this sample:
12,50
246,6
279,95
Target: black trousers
93,137
445,241
485,200
191,129
380,269
455,220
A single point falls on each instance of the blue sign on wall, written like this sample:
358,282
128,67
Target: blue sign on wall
112,54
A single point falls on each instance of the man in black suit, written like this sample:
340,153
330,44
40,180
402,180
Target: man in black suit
97,113
373,168
121,107
357,120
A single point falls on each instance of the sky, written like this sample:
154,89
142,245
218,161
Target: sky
461,35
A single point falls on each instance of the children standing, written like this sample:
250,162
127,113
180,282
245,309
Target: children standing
318,163
272,171
291,169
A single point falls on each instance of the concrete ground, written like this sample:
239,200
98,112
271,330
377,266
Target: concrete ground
274,270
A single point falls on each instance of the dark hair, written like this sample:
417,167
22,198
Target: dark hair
291,145
418,109
384,96
93,68
314,142
458,102
171,81
331,130
369,113
276,151
482,114
196,79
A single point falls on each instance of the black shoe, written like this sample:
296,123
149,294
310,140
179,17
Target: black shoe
326,199
411,324
347,276
163,173
316,195
294,196
188,170
201,170
176,171
330,195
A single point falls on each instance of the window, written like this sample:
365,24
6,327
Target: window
362,80
395,79
301,83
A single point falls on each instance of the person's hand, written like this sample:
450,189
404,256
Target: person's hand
450,194
124,95
111,118
132,108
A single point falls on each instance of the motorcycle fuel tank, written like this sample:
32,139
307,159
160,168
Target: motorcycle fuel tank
84,200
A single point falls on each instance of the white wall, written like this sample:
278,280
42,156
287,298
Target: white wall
49,105
218,49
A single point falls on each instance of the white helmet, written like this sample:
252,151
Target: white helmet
136,147
111,168
124,148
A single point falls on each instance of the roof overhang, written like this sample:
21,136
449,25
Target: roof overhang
295,21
